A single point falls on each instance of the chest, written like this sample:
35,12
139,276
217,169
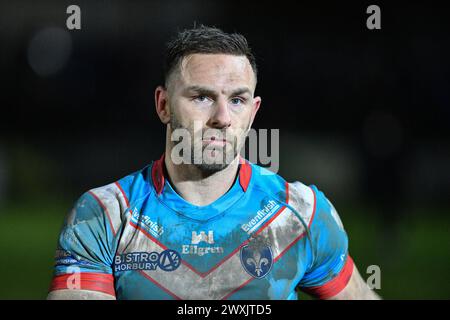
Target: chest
237,256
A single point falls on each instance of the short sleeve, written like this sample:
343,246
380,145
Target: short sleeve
85,251
331,266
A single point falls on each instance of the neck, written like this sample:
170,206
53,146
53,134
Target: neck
196,186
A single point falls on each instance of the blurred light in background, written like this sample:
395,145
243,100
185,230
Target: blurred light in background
49,50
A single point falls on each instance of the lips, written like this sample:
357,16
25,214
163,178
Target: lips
213,138
215,141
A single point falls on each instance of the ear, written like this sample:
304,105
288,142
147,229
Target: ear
161,103
256,105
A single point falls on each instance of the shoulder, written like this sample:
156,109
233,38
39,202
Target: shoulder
267,181
113,199
123,190
303,198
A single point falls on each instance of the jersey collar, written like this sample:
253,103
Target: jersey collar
159,180
166,193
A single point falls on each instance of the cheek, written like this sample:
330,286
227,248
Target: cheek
190,113
242,120
239,129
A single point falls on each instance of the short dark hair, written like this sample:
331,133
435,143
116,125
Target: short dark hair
204,39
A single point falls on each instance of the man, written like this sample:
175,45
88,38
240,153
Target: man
201,222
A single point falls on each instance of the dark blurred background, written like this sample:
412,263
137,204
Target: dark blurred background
363,114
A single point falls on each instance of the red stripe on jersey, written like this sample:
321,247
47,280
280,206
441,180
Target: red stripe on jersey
123,193
100,282
335,285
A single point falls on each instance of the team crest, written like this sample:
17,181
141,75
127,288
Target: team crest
257,257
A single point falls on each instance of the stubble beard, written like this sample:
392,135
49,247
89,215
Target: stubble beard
215,158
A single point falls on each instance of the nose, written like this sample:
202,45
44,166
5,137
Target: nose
220,117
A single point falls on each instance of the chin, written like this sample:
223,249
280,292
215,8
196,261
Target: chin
213,167
217,162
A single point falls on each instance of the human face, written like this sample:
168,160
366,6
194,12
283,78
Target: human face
211,95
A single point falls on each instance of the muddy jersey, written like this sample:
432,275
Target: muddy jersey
137,238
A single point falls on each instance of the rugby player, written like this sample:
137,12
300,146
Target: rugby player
209,227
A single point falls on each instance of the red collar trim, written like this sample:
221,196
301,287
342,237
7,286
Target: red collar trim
245,174
158,175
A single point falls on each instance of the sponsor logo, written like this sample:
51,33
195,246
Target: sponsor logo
65,258
148,224
167,260
257,258
197,238
262,215
196,249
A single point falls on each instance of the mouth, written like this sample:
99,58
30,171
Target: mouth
214,141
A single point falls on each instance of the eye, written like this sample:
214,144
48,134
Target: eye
237,101
201,98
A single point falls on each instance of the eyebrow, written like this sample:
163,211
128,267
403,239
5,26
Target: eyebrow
211,92
241,91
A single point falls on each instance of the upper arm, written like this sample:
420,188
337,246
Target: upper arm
331,273
329,267
85,252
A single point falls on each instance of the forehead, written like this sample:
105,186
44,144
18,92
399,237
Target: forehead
222,70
